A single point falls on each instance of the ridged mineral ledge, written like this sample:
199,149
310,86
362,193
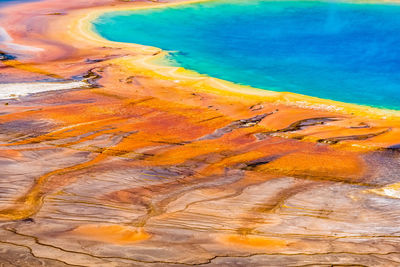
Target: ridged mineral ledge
144,165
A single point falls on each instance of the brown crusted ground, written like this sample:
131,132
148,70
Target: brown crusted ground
144,168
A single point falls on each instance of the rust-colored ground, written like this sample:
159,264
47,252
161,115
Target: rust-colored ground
152,166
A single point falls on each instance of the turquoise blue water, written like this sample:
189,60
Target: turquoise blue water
334,50
10,2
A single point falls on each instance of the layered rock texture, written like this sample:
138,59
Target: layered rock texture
142,166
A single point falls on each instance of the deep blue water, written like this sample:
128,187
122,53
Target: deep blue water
12,1
8,2
334,50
